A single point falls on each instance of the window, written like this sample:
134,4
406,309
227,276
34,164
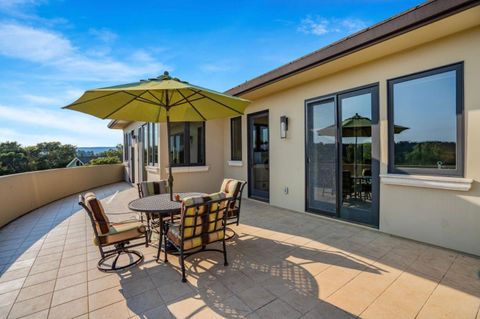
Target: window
236,138
426,122
187,143
145,141
153,144
126,146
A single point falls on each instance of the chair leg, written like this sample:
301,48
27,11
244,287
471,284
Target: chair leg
165,246
182,264
225,261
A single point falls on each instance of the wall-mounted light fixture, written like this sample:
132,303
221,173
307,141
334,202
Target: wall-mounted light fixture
283,126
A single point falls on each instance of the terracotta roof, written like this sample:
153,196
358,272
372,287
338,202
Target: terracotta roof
413,18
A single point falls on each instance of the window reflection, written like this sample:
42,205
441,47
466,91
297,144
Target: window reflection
427,106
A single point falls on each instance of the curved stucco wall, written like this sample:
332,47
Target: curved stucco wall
22,193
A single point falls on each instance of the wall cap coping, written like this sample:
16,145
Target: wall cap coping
152,169
434,182
189,169
235,163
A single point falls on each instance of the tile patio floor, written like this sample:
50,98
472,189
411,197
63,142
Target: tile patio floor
282,265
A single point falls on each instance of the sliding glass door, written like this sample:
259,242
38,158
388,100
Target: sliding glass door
342,155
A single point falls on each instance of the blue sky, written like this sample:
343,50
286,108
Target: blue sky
51,51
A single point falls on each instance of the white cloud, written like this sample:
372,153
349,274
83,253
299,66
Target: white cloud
63,120
320,26
103,35
216,67
35,45
41,100
54,50
28,139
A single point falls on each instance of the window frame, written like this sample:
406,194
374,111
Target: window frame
460,123
232,158
186,137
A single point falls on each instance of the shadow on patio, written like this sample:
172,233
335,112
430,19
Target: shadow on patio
282,265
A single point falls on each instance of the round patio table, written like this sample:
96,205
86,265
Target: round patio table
159,206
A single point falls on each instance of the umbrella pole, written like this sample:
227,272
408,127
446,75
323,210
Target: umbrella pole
170,175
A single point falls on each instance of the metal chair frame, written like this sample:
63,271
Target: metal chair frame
121,247
202,211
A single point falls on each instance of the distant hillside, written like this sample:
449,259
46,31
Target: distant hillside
95,150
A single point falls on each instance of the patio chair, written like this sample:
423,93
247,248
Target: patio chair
108,234
151,188
202,222
234,189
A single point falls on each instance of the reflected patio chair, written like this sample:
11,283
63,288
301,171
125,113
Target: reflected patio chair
118,235
202,222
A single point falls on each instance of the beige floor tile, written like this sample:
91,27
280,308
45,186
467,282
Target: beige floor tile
110,281
256,297
71,280
324,310
403,299
27,307
105,298
155,313
8,298
174,290
277,309
72,269
72,309
300,301
332,279
36,290
69,294
117,310
359,293
11,285
38,315
447,302
144,302
232,307
39,278
10,275
191,307
136,285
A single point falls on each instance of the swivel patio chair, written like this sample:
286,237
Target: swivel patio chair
119,235
202,222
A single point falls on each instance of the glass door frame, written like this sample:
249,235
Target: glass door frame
336,97
252,193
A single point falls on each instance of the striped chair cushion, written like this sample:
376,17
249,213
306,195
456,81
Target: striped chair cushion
188,215
231,187
99,216
120,232
194,242
153,188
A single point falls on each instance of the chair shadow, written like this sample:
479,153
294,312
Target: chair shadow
278,268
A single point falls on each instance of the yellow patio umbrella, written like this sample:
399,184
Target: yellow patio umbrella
160,99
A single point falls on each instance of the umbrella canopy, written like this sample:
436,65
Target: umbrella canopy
154,99
160,99
356,126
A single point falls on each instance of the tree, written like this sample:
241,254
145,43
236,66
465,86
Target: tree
105,160
13,158
116,152
49,155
